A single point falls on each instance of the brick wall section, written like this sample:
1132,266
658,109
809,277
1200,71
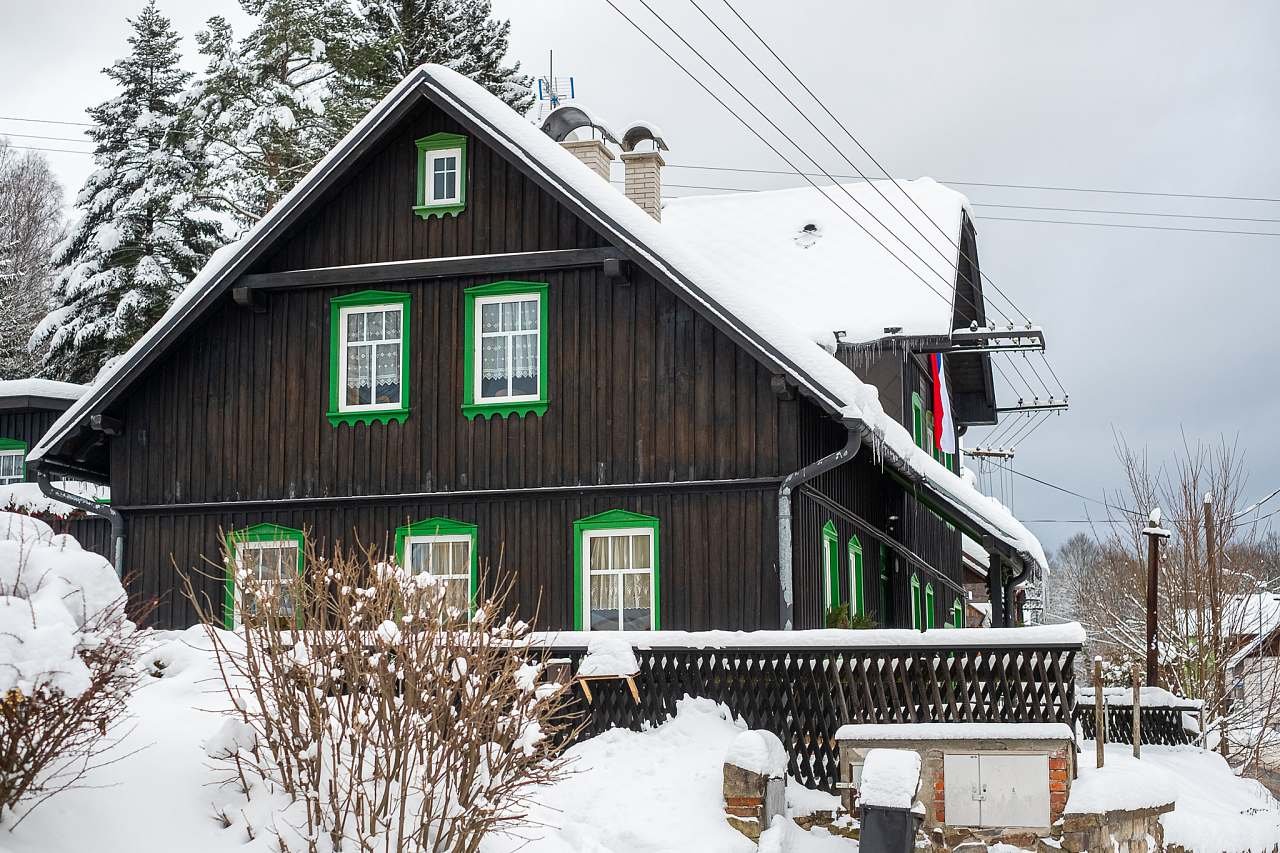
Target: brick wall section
593,152
1059,782
643,183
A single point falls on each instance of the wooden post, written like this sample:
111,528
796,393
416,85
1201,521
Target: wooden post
1099,711
1153,580
1215,619
1137,713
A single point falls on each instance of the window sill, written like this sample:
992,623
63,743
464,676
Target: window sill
488,410
426,211
381,416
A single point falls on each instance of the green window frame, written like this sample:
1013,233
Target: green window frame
930,443
830,566
12,448
341,309
930,614
440,531
957,613
604,523
434,153
915,601
258,535
917,419
857,582
474,300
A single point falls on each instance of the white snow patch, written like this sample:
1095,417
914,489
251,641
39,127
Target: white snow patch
890,778
608,655
758,751
41,388
955,731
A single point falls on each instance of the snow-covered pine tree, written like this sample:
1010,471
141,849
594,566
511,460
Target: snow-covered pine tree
143,232
392,37
260,103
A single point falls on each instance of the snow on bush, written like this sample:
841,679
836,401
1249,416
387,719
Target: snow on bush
372,712
66,659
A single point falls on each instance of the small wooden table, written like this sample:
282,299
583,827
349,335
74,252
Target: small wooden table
584,681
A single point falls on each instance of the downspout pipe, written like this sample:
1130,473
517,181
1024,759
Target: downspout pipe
1008,591
793,481
43,477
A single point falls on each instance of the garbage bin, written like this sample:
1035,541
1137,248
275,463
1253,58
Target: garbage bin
888,830
886,799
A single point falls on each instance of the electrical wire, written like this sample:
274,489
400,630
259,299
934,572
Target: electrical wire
47,121
1124,212
4,133
1130,225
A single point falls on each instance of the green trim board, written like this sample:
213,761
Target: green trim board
337,414
857,582
440,142
614,519
438,526
930,617
915,601
830,566
11,444
471,406
265,532
917,419
957,614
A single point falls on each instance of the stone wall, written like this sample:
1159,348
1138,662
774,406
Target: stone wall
1119,831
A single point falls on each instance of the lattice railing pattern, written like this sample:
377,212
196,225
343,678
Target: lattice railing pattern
1160,726
804,694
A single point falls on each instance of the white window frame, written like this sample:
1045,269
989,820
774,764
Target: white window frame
21,457
480,335
343,315
257,545
429,539
429,196
587,536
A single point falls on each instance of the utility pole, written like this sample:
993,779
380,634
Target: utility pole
1154,533
1215,619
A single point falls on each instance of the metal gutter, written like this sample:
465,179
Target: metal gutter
786,580
43,477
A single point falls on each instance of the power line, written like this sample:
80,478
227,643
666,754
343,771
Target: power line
4,133
1125,212
55,150
1129,225
47,121
1042,187
1065,490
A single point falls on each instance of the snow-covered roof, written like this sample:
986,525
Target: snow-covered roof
742,305
1245,614
954,731
819,268
51,388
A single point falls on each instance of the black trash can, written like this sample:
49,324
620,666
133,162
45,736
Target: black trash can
888,830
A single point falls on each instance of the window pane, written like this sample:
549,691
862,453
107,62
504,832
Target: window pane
10,467
529,315
461,564
420,557
359,384
373,326
599,555
493,367
604,601
439,558
621,551
510,316
355,327
637,602
451,184
438,185
391,324
455,595
489,314
524,365
388,373
640,551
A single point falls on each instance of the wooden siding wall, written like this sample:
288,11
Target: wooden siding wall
723,580
28,426
641,390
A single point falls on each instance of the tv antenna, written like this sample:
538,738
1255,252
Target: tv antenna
553,91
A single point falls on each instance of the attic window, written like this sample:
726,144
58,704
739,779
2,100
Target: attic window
442,175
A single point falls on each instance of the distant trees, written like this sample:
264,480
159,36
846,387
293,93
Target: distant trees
30,226
184,162
144,231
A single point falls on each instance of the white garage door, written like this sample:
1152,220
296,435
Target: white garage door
997,789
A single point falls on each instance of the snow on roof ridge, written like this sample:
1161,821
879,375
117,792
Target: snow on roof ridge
812,366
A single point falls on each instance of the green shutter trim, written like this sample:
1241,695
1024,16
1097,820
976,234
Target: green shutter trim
443,527
15,444
917,419
614,519
957,614
436,142
830,542
915,601
367,297
265,532
857,582
470,408
930,619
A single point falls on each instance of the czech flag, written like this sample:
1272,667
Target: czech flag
944,427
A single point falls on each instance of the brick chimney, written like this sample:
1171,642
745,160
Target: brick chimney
593,152
643,180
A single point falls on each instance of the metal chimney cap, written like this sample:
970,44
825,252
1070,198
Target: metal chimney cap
563,121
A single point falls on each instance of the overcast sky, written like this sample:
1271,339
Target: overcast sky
1152,332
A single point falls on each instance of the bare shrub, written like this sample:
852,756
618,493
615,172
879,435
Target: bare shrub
378,715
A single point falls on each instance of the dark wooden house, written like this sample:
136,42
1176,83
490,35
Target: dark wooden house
454,340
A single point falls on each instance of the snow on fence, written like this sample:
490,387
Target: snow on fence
804,685
1164,720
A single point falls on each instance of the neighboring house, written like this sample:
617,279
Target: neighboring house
456,341
1252,625
28,407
